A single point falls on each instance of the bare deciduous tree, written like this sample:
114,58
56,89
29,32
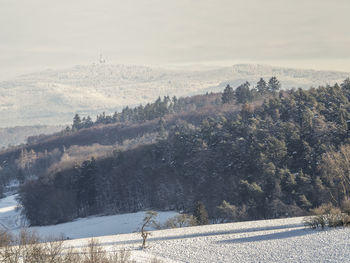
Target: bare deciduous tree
147,221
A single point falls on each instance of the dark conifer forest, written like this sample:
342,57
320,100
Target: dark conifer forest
269,152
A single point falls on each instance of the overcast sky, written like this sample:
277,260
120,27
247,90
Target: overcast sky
40,34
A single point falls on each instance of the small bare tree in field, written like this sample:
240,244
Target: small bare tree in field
148,220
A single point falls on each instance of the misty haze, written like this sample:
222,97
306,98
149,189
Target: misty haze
174,131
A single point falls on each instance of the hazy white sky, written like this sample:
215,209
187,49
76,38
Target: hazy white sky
40,34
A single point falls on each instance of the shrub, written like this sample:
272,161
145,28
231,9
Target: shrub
314,222
181,220
30,248
227,211
346,206
327,215
200,213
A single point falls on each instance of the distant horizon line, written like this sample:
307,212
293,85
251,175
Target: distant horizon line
190,66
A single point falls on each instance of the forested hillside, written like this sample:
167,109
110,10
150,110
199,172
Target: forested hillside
107,134
267,153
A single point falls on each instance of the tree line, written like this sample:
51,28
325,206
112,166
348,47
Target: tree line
167,105
244,94
158,109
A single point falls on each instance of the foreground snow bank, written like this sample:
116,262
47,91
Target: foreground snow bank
280,240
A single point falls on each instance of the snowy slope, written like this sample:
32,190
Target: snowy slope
99,225
280,240
10,217
54,96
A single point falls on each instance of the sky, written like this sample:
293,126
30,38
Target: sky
41,34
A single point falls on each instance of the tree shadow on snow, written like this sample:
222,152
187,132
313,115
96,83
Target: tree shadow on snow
205,234
272,236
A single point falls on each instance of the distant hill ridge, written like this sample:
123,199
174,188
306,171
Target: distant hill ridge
16,135
52,97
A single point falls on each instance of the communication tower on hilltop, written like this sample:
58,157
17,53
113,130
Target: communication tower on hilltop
102,60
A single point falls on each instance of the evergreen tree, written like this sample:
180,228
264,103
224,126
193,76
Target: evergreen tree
76,123
346,84
228,94
20,176
261,86
161,130
346,87
88,122
243,93
200,214
274,85
85,186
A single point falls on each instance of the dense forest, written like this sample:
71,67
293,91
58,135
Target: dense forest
102,136
268,153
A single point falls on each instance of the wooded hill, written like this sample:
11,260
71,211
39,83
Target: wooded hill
268,153
106,135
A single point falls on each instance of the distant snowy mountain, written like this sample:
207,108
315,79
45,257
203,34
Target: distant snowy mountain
52,97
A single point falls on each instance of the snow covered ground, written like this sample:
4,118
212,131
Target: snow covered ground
279,240
10,217
99,225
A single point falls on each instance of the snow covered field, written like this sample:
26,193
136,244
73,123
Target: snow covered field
279,240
